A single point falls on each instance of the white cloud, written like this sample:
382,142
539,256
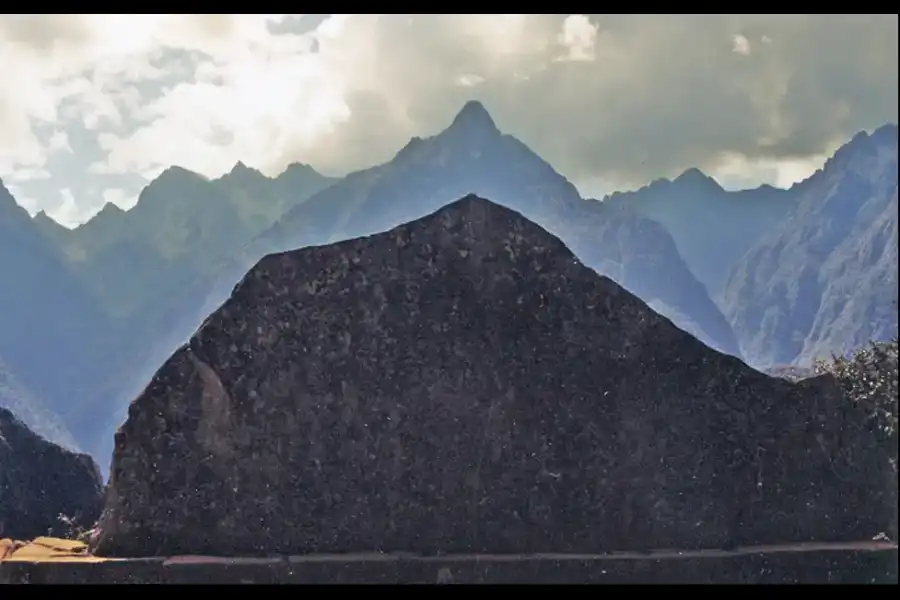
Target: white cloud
605,98
469,80
579,36
27,174
68,212
58,142
737,172
22,198
740,45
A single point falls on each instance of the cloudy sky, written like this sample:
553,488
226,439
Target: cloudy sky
96,105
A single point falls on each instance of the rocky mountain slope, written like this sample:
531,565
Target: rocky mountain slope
473,156
469,156
40,481
182,226
334,379
712,228
149,276
825,279
21,401
88,306
46,313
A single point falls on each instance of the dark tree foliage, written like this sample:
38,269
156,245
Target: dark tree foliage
869,377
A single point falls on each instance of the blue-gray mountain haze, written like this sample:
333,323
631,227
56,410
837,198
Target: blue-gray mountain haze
772,276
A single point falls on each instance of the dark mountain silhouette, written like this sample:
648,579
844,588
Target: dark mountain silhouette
463,384
150,275
40,481
473,156
825,279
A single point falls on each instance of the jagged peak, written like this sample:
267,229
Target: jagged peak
240,168
473,117
110,209
176,174
473,207
885,134
695,176
41,218
410,148
861,144
468,201
297,167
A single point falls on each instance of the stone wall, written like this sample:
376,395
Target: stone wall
770,567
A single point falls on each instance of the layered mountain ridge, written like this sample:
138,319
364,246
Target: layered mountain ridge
137,282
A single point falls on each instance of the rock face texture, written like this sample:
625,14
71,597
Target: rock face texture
39,481
463,384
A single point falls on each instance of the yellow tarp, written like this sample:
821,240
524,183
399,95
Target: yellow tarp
45,549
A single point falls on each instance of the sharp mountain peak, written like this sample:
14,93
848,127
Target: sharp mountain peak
298,168
240,169
473,117
176,174
695,176
42,217
109,210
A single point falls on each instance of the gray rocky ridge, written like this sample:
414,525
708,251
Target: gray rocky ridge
463,383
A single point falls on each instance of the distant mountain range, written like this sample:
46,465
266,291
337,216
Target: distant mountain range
773,276
799,273
824,279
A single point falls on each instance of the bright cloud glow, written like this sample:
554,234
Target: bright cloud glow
96,101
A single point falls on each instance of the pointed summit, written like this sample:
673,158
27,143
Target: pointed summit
696,177
298,168
42,219
107,214
110,210
174,175
240,168
886,134
473,117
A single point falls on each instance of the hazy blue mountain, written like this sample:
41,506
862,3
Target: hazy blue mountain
469,156
52,334
49,227
142,272
181,226
712,228
129,286
825,278
473,156
15,397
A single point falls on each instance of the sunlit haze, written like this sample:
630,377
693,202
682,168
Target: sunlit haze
98,105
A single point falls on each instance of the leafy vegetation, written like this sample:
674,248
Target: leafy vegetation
869,379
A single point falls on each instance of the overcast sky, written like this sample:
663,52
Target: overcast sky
95,106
